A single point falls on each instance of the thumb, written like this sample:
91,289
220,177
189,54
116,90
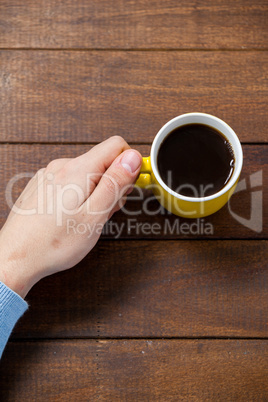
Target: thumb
114,183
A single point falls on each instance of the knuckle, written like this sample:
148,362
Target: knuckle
52,165
112,182
118,139
63,172
56,164
40,171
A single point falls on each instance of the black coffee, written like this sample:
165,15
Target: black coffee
195,160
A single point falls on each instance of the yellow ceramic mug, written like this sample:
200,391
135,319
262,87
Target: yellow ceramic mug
190,207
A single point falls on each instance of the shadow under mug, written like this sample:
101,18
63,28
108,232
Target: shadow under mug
189,207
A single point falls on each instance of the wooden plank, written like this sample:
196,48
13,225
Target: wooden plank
142,217
49,371
155,289
187,370
137,24
131,370
88,96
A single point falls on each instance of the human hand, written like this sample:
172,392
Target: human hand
34,241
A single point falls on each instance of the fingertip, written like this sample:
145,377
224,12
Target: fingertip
131,160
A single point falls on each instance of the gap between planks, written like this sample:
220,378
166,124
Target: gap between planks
135,338
109,49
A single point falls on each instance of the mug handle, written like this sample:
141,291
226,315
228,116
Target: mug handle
145,178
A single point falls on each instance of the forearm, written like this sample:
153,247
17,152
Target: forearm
12,306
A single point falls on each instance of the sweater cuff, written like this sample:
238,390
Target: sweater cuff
12,306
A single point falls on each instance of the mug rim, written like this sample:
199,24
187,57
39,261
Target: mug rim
238,156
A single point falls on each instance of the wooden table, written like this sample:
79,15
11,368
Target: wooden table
163,316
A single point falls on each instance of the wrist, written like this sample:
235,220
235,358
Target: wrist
15,279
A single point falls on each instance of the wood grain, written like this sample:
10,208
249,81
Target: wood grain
49,371
134,24
135,370
75,73
155,289
142,216
88,96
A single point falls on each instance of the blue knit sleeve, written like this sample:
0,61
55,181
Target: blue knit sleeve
12,306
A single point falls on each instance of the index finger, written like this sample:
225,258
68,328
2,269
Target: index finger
86,170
